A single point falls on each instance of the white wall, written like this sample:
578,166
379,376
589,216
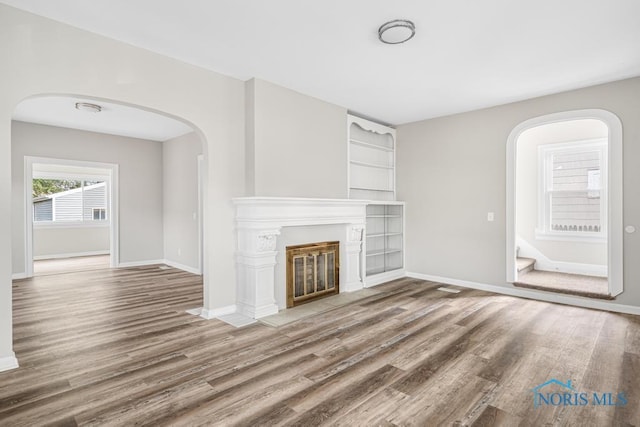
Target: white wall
180,200
452,171
527,190
297,144
140,183
57,242
50,57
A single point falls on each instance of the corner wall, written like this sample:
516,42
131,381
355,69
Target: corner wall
180,201
452,171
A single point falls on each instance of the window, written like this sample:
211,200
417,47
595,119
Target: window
69,199
99,214
573,196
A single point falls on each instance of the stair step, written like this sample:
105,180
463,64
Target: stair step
525,264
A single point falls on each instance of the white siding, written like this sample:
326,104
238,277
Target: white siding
43,210
68,207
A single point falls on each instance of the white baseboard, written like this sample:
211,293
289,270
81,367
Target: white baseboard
182,267
140,263
381,278
8,362
70,255
221,311
533,294
16,276
527,250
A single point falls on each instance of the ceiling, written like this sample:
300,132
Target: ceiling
114,119
465,55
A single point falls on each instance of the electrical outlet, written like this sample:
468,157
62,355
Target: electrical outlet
490,216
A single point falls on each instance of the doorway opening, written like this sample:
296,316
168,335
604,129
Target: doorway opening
71,215
564,204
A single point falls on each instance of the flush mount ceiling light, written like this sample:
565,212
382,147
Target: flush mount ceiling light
396,31
89,108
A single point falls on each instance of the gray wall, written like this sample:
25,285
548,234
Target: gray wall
180,199
140,183
452,171
52,242
296,144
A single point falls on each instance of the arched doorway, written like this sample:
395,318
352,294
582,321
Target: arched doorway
151,143
612,223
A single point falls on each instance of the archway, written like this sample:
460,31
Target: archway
142,139
614,178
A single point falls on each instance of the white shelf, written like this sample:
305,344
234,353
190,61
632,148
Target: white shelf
371,160
383,252
385,243
371,189
370,145
370,165
382,235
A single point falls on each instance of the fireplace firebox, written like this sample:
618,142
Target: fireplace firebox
313,271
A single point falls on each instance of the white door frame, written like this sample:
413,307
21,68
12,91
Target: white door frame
200,213
112,169
615,199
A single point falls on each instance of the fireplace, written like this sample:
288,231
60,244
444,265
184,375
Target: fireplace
313,271
263,227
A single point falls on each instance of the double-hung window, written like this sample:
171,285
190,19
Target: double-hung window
572,200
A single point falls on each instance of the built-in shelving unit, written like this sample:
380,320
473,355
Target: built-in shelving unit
372,169
384,242
372,177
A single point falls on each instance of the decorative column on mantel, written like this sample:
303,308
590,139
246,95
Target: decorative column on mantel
258,224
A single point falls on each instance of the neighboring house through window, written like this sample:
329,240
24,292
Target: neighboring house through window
573,190
99,214
75,200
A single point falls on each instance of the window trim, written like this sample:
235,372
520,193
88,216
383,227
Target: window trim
545,152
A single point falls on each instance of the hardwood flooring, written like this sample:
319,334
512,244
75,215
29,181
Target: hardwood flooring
115,347
45,267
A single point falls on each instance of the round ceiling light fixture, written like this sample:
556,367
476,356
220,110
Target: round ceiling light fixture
87,107
396,31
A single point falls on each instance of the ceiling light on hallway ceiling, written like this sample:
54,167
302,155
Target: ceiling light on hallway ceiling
396,31
87,107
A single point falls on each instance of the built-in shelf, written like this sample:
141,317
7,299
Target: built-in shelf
370,165
372,160
384,239
382,235
370,189
371,145
383,252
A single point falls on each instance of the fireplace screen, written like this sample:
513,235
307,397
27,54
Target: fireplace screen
312,271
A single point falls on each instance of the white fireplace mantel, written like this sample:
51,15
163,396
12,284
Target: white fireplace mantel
258,224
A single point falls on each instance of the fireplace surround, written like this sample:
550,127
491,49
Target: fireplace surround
259,222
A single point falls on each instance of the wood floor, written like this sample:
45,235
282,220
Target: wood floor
114,347
45,267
